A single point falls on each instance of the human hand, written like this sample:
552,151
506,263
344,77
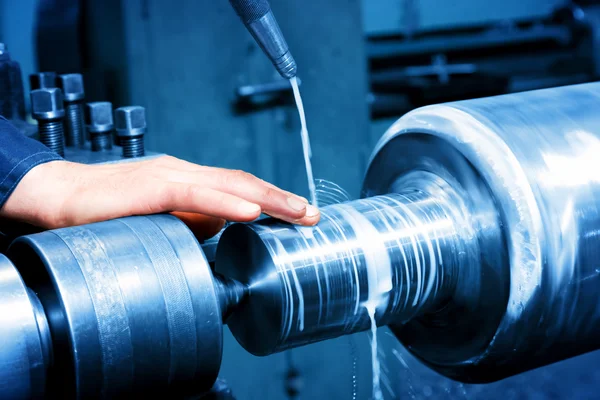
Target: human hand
61,193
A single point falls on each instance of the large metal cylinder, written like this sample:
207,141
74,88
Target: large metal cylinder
523,170
131,307
25,343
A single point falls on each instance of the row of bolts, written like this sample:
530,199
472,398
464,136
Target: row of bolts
57,103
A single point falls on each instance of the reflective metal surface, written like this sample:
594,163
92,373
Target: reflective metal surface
131,305
396,256
537,152
268,35
24,339
516,217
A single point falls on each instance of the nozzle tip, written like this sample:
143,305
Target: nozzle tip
286,66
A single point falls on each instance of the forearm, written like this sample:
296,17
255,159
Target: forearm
61,193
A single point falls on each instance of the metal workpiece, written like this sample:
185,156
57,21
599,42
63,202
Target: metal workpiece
130,123
131,307
73,93
536,152
99,123
26,344
394,257
261,23
47,108
42,80
475,242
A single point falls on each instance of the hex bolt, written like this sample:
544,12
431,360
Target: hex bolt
72,88
42,80
99,122
47,109
131,127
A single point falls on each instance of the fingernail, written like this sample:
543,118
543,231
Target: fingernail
249,208
303,199
311,211
296,204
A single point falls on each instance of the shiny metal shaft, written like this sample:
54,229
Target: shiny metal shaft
397,254
230,294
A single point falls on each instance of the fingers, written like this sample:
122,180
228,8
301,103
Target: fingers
62,194
203,226
198,199
272,200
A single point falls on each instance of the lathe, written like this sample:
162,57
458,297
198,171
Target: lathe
475,240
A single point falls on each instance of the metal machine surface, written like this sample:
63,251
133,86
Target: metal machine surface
476,242
126,307
24,334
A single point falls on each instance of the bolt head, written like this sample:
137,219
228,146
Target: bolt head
130,121
72,86
42,80
99,117
47,104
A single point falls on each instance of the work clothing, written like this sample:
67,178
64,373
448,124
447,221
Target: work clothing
18,155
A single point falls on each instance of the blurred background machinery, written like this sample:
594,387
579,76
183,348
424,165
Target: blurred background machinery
211,97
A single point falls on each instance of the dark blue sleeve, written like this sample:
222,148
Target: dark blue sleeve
18,155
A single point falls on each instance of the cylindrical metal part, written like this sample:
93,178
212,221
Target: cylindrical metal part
131,306
73,92
394,256
230,294
130,123
525,168
25,350
537,154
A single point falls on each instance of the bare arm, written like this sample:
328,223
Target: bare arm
61,193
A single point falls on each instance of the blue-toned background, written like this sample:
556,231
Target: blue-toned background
184,59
